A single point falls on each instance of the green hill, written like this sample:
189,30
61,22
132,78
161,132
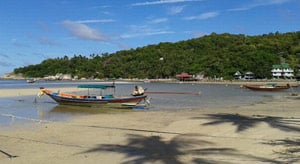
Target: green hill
214,55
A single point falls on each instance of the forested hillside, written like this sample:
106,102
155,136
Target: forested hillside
214,55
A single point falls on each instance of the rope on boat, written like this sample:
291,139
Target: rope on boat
24,118
186,93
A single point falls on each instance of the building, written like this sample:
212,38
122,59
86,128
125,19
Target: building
237,75
282,71
249,75
184,77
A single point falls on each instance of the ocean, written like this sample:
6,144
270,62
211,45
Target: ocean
20,109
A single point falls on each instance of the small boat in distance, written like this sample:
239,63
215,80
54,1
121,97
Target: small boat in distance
31,80
106,100
267,87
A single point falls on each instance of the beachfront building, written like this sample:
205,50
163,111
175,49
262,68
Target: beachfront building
237,75
199,76
184,77
249,75
282,71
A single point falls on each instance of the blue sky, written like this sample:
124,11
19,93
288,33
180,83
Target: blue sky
34,30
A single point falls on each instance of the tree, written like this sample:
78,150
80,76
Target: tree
219,55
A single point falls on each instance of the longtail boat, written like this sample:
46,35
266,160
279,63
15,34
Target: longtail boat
267,87
106,100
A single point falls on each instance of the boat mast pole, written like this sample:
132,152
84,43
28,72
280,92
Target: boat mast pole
114,87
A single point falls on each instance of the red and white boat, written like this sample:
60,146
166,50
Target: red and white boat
107,100
267,87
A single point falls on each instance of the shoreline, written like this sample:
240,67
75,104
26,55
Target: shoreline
293,83
247,134
204,81
243,134
32,91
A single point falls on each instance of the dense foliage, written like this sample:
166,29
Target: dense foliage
214,55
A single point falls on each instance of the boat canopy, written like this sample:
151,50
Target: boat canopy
271,84
95,86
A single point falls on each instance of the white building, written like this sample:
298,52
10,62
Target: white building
282,71
237,75
249,75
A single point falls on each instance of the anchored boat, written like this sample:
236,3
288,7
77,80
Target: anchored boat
267,87
102,100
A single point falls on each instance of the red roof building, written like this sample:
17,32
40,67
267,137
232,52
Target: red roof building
184,77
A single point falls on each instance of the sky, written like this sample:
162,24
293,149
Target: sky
34,30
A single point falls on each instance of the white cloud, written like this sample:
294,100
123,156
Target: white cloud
82,31
158,20
95,21
149,33
175,10
196,34
203,16
269,2
162,2
101,7
240,9
259,3
145,30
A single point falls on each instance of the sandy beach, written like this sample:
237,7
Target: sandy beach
29,91
260,133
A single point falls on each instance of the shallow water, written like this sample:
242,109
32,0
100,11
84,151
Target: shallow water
32,108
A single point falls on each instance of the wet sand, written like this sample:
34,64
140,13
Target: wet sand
260,133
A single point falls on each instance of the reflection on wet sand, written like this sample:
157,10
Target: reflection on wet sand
85,110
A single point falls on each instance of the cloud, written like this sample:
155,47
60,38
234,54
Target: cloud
175,10
163,2
269,2
95,21
158,21
196,34
145,30
82,31
101,7
149,33
47,41
107,13
203,16
259,3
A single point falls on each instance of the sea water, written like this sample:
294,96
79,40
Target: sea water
22,109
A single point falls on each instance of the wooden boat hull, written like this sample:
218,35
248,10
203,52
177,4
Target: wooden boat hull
266,88
70,99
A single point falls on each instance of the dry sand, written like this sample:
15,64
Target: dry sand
29,91
261,133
